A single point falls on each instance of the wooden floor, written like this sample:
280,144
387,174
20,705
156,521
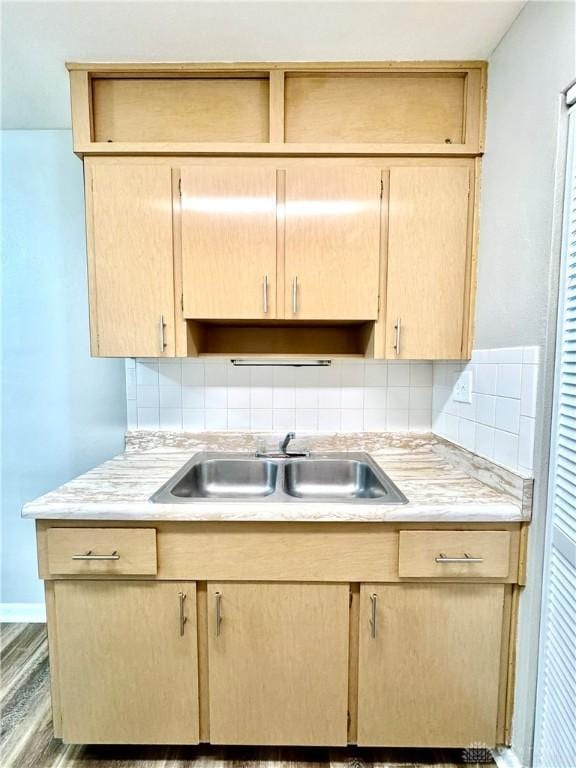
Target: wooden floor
26,737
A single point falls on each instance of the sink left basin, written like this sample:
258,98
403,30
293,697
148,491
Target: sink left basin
212,477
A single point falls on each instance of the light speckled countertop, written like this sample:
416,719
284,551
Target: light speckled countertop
443,483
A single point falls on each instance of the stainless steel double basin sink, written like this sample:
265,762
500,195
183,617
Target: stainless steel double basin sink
329,477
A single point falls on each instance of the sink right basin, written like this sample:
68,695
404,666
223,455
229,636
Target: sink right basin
338,479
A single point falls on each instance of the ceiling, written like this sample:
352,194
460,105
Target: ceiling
38,37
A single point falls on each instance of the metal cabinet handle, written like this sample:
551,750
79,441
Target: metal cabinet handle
294,294
466,559
265,294
398,328
162,339
218,596
89,556
373,605
183,619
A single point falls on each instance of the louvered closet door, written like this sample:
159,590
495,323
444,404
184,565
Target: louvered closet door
555,734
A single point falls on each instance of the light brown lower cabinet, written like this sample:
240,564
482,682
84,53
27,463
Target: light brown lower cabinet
278,663
429,664
127,662
292,647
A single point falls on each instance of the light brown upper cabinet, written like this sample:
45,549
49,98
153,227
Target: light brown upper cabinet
249,256
428,280
331,247
128,661
130,260
278,663
429,664
332,243
305,108
228,242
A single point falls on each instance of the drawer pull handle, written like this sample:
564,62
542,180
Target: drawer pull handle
218,596
373,605
466,559
90,556
183,619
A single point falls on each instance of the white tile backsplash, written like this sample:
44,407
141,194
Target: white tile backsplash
485,409
192,374
171,418
526,442
486,375
148,418
171,397
507,415
147,373
350,396
509,380
216,419
239,419
529,390
500,421
193,420
239,397
261,419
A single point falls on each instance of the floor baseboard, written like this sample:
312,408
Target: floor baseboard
22,613
505,757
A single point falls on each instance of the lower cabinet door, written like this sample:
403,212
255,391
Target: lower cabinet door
429,664
278,661
127,662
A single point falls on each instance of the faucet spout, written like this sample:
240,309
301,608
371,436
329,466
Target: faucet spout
286,442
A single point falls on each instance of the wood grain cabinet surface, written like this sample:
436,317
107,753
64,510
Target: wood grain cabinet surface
229,242
332,250
338,246
428,263
130,260
454,554
429,664
127,662
233,641
101,552
278,663
288,209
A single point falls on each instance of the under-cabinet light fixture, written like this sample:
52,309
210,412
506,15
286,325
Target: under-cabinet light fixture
279,363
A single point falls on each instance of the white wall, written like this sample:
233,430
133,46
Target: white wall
63,411
527,72
40,36
518,259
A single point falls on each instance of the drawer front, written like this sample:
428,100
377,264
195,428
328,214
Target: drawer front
454,554
102,551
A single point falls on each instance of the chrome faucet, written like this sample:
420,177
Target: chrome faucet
282,452
285,443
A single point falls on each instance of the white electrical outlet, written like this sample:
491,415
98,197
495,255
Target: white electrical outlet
463,388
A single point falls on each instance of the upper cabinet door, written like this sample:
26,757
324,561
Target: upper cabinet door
332,243
130,260
229,242
427,262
